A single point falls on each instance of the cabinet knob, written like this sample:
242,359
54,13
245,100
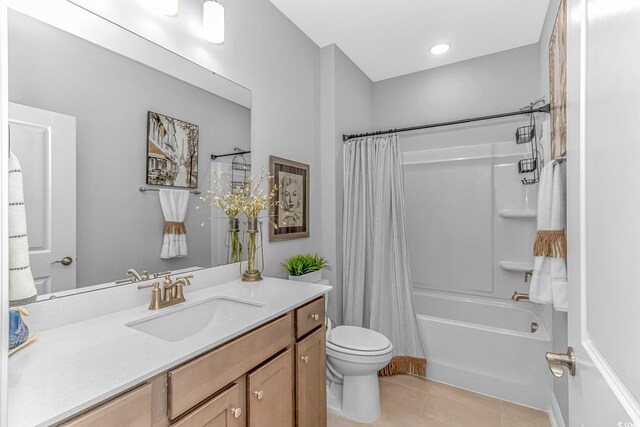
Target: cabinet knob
315,316
259,394
305,359
236,412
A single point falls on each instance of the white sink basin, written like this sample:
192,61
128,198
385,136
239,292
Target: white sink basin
185,320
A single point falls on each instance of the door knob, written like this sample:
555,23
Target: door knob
305,359
236,412
315,316
64,261
558,361
259,394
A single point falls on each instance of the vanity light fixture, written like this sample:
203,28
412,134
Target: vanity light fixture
163,7
439,49
213,21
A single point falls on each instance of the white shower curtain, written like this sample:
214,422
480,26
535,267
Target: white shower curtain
376,277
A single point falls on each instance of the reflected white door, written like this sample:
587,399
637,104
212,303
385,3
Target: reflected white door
45,144
604,211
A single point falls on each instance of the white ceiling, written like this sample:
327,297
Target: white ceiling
389,38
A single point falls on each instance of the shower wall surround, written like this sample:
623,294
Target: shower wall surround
472,222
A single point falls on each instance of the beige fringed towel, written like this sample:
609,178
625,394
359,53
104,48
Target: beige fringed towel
174,205
405,365
551,243
549,280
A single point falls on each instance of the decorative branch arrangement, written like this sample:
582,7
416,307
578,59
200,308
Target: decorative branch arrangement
251,200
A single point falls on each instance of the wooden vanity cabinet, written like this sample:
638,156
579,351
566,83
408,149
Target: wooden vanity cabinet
130,409
197,380
270,393
225,409
272,376
311,392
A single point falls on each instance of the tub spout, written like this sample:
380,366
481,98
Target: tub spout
517,296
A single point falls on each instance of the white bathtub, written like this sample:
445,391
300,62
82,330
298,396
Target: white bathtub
486,345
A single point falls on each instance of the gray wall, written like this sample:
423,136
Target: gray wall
268,54
489,84
118,227
346,106
560,324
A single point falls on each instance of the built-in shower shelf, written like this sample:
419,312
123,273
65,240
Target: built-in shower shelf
518,213
514,266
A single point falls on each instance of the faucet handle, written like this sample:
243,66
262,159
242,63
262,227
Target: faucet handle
167,280
154,285
164,273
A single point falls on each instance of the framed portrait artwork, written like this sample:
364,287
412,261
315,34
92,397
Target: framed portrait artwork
291,213
172,151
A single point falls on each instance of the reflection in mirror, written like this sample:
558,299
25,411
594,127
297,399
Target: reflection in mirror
229,174
88,128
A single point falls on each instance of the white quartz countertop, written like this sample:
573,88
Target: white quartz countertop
73,367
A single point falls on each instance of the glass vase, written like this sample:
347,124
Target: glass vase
234,247
255,254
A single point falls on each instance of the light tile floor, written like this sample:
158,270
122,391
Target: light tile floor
415,402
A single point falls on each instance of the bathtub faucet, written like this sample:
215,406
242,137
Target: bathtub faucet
517,296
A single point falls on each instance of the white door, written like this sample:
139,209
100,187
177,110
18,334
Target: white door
604,211
45,144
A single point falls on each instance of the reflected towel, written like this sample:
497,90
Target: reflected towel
22,289
174,205
549,280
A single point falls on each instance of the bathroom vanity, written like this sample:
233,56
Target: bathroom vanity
256,358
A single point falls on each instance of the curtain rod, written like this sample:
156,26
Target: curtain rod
544,109
235,153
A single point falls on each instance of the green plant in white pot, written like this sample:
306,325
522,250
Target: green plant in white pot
306,267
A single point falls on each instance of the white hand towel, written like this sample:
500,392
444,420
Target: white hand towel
549,280
22,289
174,205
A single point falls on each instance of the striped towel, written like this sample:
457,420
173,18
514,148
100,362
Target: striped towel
22,289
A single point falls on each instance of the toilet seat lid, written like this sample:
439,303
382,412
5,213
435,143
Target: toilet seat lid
360,339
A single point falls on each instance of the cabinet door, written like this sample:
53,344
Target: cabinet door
270,393
311,392
226,409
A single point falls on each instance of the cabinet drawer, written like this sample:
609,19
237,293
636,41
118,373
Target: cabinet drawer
309,317
132,409
270,393
195,381
226,409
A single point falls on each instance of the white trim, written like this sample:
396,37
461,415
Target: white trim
615,383
555,414
622,393
4,204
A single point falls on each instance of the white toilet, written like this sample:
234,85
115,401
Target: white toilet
354,356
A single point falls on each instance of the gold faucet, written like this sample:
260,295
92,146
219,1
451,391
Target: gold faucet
170,294
517,296
139,277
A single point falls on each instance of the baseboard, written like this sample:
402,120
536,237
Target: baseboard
555,414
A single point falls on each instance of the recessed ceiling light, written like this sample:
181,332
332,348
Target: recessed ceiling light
439,49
